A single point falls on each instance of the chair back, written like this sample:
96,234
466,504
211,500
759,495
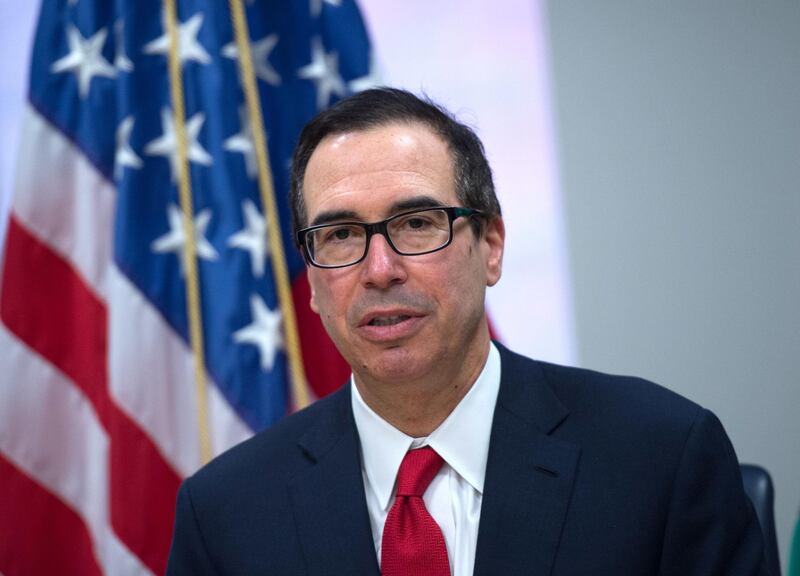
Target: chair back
758,486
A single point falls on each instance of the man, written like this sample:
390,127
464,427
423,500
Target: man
447,453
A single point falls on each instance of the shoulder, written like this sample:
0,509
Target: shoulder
608,404
657,476
236,510
273,455
604,393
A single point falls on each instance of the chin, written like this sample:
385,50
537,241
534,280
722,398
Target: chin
396,364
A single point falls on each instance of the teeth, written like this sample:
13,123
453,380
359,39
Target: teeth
387,320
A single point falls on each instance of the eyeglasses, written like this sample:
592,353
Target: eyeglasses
409,234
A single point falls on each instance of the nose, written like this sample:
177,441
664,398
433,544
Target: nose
382,267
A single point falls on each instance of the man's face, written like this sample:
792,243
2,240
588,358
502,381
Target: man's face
398,318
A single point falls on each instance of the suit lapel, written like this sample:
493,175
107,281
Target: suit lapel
529,475
328,497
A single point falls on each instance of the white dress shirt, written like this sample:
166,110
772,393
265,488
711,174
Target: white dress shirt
454,496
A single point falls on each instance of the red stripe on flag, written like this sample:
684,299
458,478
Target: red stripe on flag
39,534
143,493
50,308
325,368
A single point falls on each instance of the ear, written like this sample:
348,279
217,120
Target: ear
494,237
313,301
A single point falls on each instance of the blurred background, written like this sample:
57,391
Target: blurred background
647,157
679,131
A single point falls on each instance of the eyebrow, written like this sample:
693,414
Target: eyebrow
422,201
333,216
413,203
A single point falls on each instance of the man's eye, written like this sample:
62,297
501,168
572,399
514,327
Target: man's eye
341,234
414,224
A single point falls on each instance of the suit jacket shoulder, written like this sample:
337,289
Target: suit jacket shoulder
633,479
599,399
272,453
290,500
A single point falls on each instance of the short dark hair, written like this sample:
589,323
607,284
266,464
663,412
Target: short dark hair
383,106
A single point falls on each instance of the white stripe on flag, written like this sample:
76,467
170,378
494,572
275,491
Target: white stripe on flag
64,200
227,429
152,380
69,456
151,370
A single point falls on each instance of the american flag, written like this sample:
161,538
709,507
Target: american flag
124,364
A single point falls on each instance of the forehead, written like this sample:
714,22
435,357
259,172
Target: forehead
367,172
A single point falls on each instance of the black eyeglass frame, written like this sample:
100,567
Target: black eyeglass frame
453,213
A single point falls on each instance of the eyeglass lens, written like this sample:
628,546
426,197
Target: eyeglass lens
413,233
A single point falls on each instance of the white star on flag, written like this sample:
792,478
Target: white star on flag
125,155
264,332
372,79
324,72
189,47
85,59
253,237
243,143
121,60
167,144
260,52
174,240
316,6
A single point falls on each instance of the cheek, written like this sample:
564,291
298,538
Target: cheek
319,291
466,268
325,297
321,304
465,284
454,282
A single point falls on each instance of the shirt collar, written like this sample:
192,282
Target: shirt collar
462,440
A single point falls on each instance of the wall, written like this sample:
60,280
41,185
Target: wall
679,128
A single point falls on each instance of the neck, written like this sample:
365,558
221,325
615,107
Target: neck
418,406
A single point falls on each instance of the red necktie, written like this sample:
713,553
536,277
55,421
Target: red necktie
413,544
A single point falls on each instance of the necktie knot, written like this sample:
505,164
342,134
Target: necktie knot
417,470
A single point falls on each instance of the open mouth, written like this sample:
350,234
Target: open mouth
388,320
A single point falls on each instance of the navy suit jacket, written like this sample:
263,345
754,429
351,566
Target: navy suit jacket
587,474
